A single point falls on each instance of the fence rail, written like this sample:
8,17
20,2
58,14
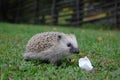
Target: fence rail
60,12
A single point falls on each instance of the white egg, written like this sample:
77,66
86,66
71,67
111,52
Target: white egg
84,63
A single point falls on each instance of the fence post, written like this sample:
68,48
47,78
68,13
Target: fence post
36,10
77,17
77,13
54,13
19,11
117,21
80,13
118,11
3,10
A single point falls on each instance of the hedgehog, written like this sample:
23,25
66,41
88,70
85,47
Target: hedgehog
51,47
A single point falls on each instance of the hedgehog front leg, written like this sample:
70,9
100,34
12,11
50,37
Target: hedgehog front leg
55,62
30,56
35,56
44,55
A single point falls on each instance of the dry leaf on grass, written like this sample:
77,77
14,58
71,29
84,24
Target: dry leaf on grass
73,60
99,39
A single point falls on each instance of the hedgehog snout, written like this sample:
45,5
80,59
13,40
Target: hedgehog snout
75,50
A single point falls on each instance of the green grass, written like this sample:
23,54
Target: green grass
102,48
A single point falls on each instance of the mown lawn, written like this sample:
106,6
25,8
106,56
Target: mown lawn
101,46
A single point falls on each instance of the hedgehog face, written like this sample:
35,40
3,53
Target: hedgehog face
69,41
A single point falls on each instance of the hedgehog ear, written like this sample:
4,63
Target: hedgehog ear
59,37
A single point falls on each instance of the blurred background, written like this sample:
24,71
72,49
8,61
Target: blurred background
62,12
95,23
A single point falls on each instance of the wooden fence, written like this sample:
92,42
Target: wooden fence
60,12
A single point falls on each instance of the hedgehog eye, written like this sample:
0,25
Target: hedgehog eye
69,44
59,37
